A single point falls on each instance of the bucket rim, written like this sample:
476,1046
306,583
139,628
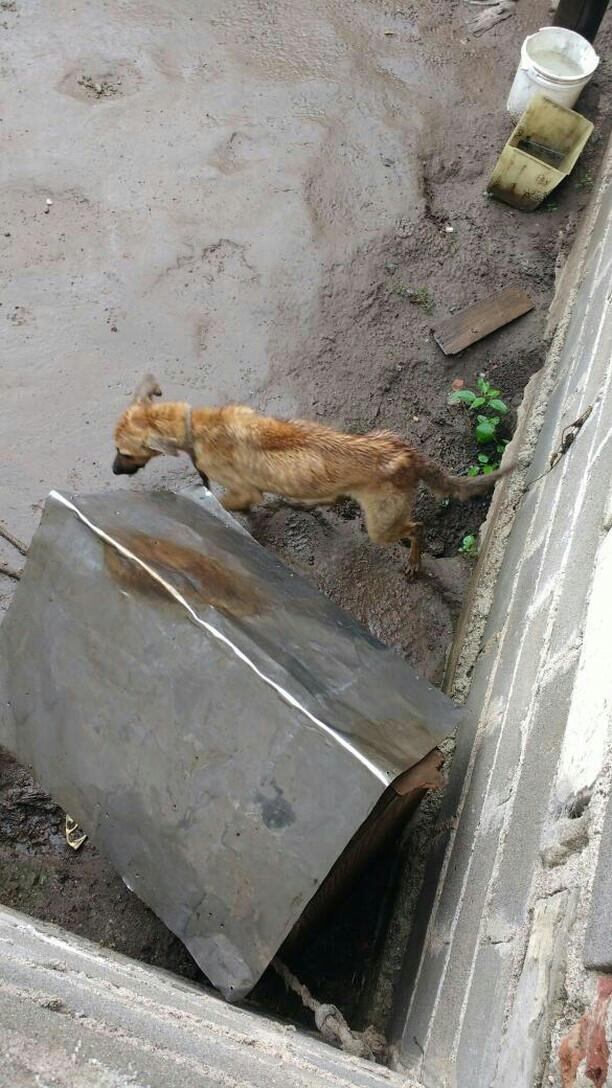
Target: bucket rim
593,57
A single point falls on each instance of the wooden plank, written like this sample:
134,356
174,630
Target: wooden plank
481,319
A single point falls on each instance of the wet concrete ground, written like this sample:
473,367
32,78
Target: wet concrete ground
243,196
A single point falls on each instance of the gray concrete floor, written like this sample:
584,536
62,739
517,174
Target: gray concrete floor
197,203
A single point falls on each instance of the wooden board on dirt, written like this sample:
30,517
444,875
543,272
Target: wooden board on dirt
465,328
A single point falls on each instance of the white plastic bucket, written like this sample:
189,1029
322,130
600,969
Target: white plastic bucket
555,62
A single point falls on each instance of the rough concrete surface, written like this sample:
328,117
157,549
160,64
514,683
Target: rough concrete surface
535,759
242,197
538,993
75,1016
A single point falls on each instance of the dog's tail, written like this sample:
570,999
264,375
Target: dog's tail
460,487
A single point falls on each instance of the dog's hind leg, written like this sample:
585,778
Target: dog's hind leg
241,500
311,504
388,517
413,531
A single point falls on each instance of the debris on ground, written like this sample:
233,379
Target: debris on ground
481,319
9,572
75,836
15,542
101,88
494,12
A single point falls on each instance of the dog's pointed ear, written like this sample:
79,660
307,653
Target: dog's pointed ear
147,389
159,444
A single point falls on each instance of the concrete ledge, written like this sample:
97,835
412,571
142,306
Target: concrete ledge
75,1016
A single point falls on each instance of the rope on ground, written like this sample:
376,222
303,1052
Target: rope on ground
5,569
10,572
368,1044
14,540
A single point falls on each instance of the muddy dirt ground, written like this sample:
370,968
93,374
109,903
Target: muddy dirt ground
243,197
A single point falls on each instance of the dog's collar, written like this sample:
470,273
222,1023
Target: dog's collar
188,440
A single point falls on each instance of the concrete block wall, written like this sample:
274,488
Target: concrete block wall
498,994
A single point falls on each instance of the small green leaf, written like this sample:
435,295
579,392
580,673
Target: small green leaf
474,470
469,545
485,432
482,419
478,402
483,458
482,384
491,392
495,420
461,396
498,406
487,469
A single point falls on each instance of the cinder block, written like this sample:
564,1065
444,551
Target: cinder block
599,332
583,546
481,1029
527,1037
574,357
598,940
586,738
474,853
512,613
522,531
521,849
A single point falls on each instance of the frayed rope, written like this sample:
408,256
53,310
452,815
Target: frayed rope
368,1044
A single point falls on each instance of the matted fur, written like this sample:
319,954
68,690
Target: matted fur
250,454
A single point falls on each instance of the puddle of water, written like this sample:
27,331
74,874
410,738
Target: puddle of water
559,64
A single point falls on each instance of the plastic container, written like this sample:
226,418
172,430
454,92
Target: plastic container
556,62
543,149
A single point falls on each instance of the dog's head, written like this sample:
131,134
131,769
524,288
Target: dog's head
137,439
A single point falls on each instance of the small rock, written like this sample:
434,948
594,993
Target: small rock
54,1004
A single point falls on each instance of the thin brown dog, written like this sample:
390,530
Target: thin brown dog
250,454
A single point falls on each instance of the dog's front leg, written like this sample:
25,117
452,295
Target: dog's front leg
201,474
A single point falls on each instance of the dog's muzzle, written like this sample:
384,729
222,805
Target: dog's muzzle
123,467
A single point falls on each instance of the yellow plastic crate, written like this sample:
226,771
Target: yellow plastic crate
543,149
